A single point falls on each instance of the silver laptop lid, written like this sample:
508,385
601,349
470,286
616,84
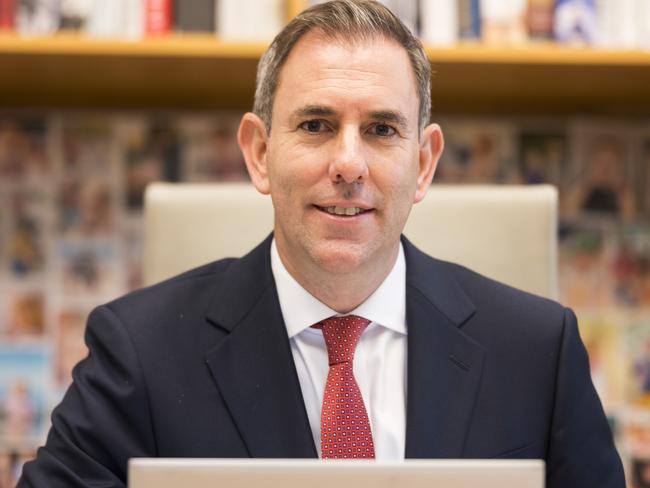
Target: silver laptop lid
313,473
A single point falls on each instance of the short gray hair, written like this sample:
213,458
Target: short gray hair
346,20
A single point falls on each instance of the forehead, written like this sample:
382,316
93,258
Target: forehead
320,65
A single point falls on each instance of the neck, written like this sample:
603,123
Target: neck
344,291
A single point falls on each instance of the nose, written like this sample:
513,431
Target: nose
348,163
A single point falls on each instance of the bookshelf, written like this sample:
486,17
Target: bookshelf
201,72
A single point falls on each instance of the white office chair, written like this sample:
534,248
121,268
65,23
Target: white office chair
505,232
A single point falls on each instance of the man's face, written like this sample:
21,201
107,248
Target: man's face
344,159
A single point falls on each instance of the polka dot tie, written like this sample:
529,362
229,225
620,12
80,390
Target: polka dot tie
344,425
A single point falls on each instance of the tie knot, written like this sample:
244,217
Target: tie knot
341,336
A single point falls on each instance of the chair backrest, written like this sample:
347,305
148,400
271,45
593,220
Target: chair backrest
508,233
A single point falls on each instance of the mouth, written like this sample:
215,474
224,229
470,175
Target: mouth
343,211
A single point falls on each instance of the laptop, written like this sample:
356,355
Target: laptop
314,473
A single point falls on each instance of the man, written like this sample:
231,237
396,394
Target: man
223,361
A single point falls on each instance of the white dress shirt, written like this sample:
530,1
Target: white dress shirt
379,360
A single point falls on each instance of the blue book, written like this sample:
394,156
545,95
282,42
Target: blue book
469,19
575,21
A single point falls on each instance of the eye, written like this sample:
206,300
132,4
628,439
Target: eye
382,130
313,126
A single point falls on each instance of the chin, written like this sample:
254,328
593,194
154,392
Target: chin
342,258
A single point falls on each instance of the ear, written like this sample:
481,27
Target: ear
431,146
252,139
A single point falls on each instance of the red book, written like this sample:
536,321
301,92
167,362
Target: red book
7,14
158,17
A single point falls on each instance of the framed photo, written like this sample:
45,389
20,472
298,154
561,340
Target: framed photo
543,152
603,336
12,459
210,150
24,151
86,267
644,178
477,151
24,313
24,391
599,180
132,240
88,146
27,217
150,150
634,444
70,347
630,266
87,207
583,265
637,354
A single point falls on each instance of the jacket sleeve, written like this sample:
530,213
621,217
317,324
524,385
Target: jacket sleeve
103,419
581,450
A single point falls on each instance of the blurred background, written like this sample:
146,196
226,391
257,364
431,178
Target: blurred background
98,98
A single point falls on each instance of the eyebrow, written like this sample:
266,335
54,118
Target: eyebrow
390,116
393,116
314,110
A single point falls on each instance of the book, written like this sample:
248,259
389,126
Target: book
75,14
618,23
539,19
134,19
574,22
7,15
158,17
249,20
643,24
503,21
469,20
407,11
107,19
194,16
37,17
439,22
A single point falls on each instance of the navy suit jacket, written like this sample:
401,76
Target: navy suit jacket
201,366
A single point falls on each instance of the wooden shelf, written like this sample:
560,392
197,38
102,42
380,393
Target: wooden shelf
204,73
541,80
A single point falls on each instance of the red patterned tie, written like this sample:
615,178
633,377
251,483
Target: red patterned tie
344,425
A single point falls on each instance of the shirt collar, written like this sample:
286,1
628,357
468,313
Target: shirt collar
386,306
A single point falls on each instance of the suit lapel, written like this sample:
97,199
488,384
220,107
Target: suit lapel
253,366
444,364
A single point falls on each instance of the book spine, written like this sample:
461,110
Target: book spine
439,22
106,19
249,20
198,16
574,22
7,15
134,19
628,33
405,10
643,25
158,17
539,19
469,20
504,22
